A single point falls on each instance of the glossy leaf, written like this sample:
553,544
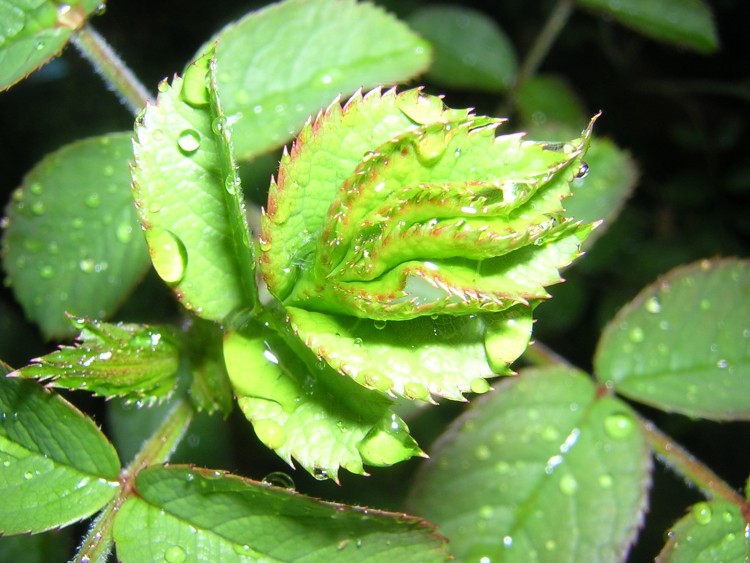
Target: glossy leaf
189,198
688,23
200,515
34,31
136,362
471,51
683,344
56,467
72,241
394,208
279,65
543,469
711,531
302,409
210,388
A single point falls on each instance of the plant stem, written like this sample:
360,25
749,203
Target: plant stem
158,448
115,73
686,465
554,24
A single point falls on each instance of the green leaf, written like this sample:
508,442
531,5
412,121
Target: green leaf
544,101
189,198
711,531
56,467
304,410
277,66
41,548
683,344
688,23
71,241
200,515
471,51
543,469
136,362
34,31
210,388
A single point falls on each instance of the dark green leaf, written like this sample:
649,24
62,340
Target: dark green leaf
210,388
543,469
34,31
304,410
200,515
56,467
132,361
189,198
683,344
280,65
687,23
711,531
42,548
71,240
471,51
545,101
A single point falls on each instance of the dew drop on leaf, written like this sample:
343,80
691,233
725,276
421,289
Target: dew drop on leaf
47,272
619,425
653,305
702,513
175,554
568,484
380,325
583,171
482,452
124,232
636,334
279,479
168,254
479,385
93,200
271,433
189,141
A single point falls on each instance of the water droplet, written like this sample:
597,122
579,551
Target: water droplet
231,184
416,391
87,265
47,272
568,484
636,334
431,146
36,188
550,434
175,554
270,432
6,462
163,86
28,475
619,425
38,208
279,479
124,232
380,325
486,512
507,541
702,513
653,304
727,517
583,171
109,170
319,473
93,200
722,364
189,141
168,254
482,452
479,385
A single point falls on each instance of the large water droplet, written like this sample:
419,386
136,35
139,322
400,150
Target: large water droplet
270,432
583,171
431,146
702,513
416,391
279,479
619,425
479,385
189,141
175,554
168,254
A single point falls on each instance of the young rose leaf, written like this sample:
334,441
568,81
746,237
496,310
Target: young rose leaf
193,514
56,467
32,33
683,344
304,410
687,23
394,208
471,51
711,531
543,469
189,198
136,362
210,388
272,93
71,241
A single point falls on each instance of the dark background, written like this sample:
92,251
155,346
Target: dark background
683,116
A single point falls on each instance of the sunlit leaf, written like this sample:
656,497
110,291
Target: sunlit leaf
683,344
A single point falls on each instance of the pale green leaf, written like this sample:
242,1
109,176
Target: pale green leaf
471,51
683,344
305,411
56,467
189,199
688,23
196,515
282,64
71,241
543,469
34,31
136,362
711,531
